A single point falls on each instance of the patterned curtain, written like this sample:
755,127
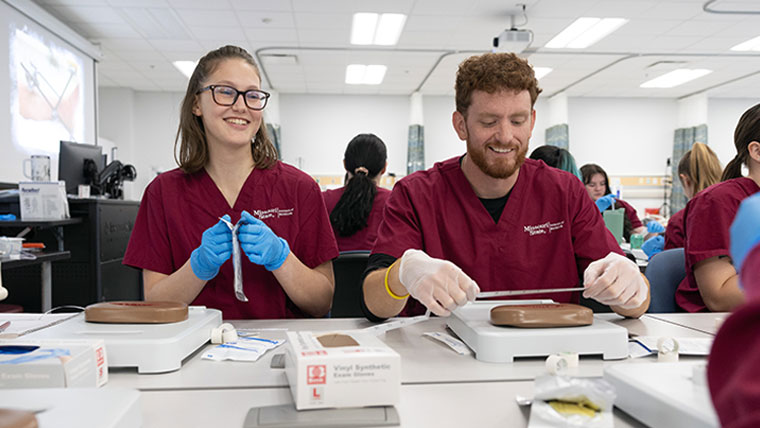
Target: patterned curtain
415,156
274,135
558,135
683,139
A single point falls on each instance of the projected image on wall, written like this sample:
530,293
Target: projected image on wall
46,93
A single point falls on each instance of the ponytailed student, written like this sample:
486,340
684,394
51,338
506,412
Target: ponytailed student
711,282
356,209
698,169
228,169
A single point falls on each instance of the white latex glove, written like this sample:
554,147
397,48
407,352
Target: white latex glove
615,280
438,284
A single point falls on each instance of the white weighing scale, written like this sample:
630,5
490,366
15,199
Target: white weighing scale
152,348
499,344
664,395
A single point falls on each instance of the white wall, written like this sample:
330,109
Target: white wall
317,128
723,115
626,136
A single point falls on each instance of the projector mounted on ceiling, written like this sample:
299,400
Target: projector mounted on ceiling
512,40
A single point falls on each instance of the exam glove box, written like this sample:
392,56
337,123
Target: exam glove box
355,369
55,364
43,200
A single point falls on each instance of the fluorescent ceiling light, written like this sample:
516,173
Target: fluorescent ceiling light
541,71
360,74
675,78
185,67
584,32
749,45
374,29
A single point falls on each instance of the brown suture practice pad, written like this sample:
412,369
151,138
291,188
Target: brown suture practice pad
136,312
336,340
12,418
541,316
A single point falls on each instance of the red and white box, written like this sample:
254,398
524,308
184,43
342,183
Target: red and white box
341,369
67,363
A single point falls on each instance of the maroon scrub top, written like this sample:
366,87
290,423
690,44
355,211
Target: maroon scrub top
178,207
630,212
708,219
674,233
732,368
548,233
363,239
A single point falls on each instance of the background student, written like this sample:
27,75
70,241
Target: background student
711,281
228,168
735,354
357,208
556,157
698,169
598,187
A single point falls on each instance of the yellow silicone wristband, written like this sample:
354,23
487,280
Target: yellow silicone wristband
388,288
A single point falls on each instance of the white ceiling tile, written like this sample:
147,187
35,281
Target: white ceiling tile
262,37
265,5
208,18
107,31
139,3
324,21
100,14
324,38
119,44
176,45
265,19
200,4
216,33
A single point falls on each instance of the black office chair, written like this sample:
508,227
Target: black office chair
665,271
348,269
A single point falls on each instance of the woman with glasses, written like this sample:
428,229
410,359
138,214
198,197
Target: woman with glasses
356,209
229,179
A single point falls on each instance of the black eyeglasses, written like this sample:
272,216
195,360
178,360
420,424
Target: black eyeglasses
223,95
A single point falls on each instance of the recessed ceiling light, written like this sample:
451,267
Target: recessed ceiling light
377,29
584,32
541,71
360,74
749,45
675,78
185,67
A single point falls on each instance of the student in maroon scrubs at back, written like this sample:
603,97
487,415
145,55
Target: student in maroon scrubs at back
698,169
357,208
732,370
711,278
492,220
229,168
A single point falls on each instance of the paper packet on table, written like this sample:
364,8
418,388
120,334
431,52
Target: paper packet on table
244,349
562,401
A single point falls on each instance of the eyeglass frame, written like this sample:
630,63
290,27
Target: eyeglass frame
237,95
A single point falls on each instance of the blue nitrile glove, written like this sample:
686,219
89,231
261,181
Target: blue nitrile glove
7,217
605,202
215,249
745,230
655,227
653,245
260,244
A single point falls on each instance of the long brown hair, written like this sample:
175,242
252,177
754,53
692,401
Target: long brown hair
191,135
747,131
701,165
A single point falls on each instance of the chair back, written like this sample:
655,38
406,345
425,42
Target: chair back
348,269
665,271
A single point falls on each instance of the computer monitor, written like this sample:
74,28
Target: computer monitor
71,163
